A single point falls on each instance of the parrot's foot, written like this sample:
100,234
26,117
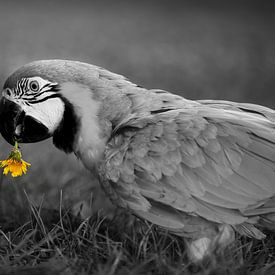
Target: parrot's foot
225,237
199,249
204,247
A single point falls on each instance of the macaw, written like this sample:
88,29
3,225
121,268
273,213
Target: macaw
200,169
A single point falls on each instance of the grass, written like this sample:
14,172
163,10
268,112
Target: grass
57,242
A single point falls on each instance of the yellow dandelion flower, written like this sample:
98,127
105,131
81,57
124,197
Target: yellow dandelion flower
15,164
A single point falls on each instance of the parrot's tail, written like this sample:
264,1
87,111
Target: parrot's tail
268,221
265,212
268,218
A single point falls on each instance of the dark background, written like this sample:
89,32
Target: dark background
199,49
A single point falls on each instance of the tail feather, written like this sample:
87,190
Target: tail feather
249,230
263,208
265,212
268,221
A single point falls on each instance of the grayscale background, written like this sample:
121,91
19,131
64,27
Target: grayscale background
198,49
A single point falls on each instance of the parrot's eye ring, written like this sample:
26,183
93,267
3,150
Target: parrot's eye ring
34,86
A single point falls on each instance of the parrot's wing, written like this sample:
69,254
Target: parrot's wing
245,107
213,162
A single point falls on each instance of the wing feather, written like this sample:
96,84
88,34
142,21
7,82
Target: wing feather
206,160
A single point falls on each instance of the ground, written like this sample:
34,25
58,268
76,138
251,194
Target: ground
56,242
203,49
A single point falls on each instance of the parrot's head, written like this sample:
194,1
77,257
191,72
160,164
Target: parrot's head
37,102
30,109
75,103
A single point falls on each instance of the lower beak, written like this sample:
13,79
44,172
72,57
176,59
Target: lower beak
15,125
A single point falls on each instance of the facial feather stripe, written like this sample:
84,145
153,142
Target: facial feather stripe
35,90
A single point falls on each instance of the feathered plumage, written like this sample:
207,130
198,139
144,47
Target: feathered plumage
196,168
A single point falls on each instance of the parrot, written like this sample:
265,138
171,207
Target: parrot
201,169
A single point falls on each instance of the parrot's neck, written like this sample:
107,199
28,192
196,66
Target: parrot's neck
90,121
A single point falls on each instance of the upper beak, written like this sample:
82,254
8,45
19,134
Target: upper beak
15,125
10,114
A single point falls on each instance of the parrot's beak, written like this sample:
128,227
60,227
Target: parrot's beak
16,125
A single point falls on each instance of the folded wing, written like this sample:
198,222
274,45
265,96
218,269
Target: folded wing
214,160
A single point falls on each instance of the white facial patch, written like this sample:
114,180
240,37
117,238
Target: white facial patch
36,96
49,112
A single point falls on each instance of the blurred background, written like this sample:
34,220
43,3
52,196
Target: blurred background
198,49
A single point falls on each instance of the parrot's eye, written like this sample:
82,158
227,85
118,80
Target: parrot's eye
34,86
8,92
